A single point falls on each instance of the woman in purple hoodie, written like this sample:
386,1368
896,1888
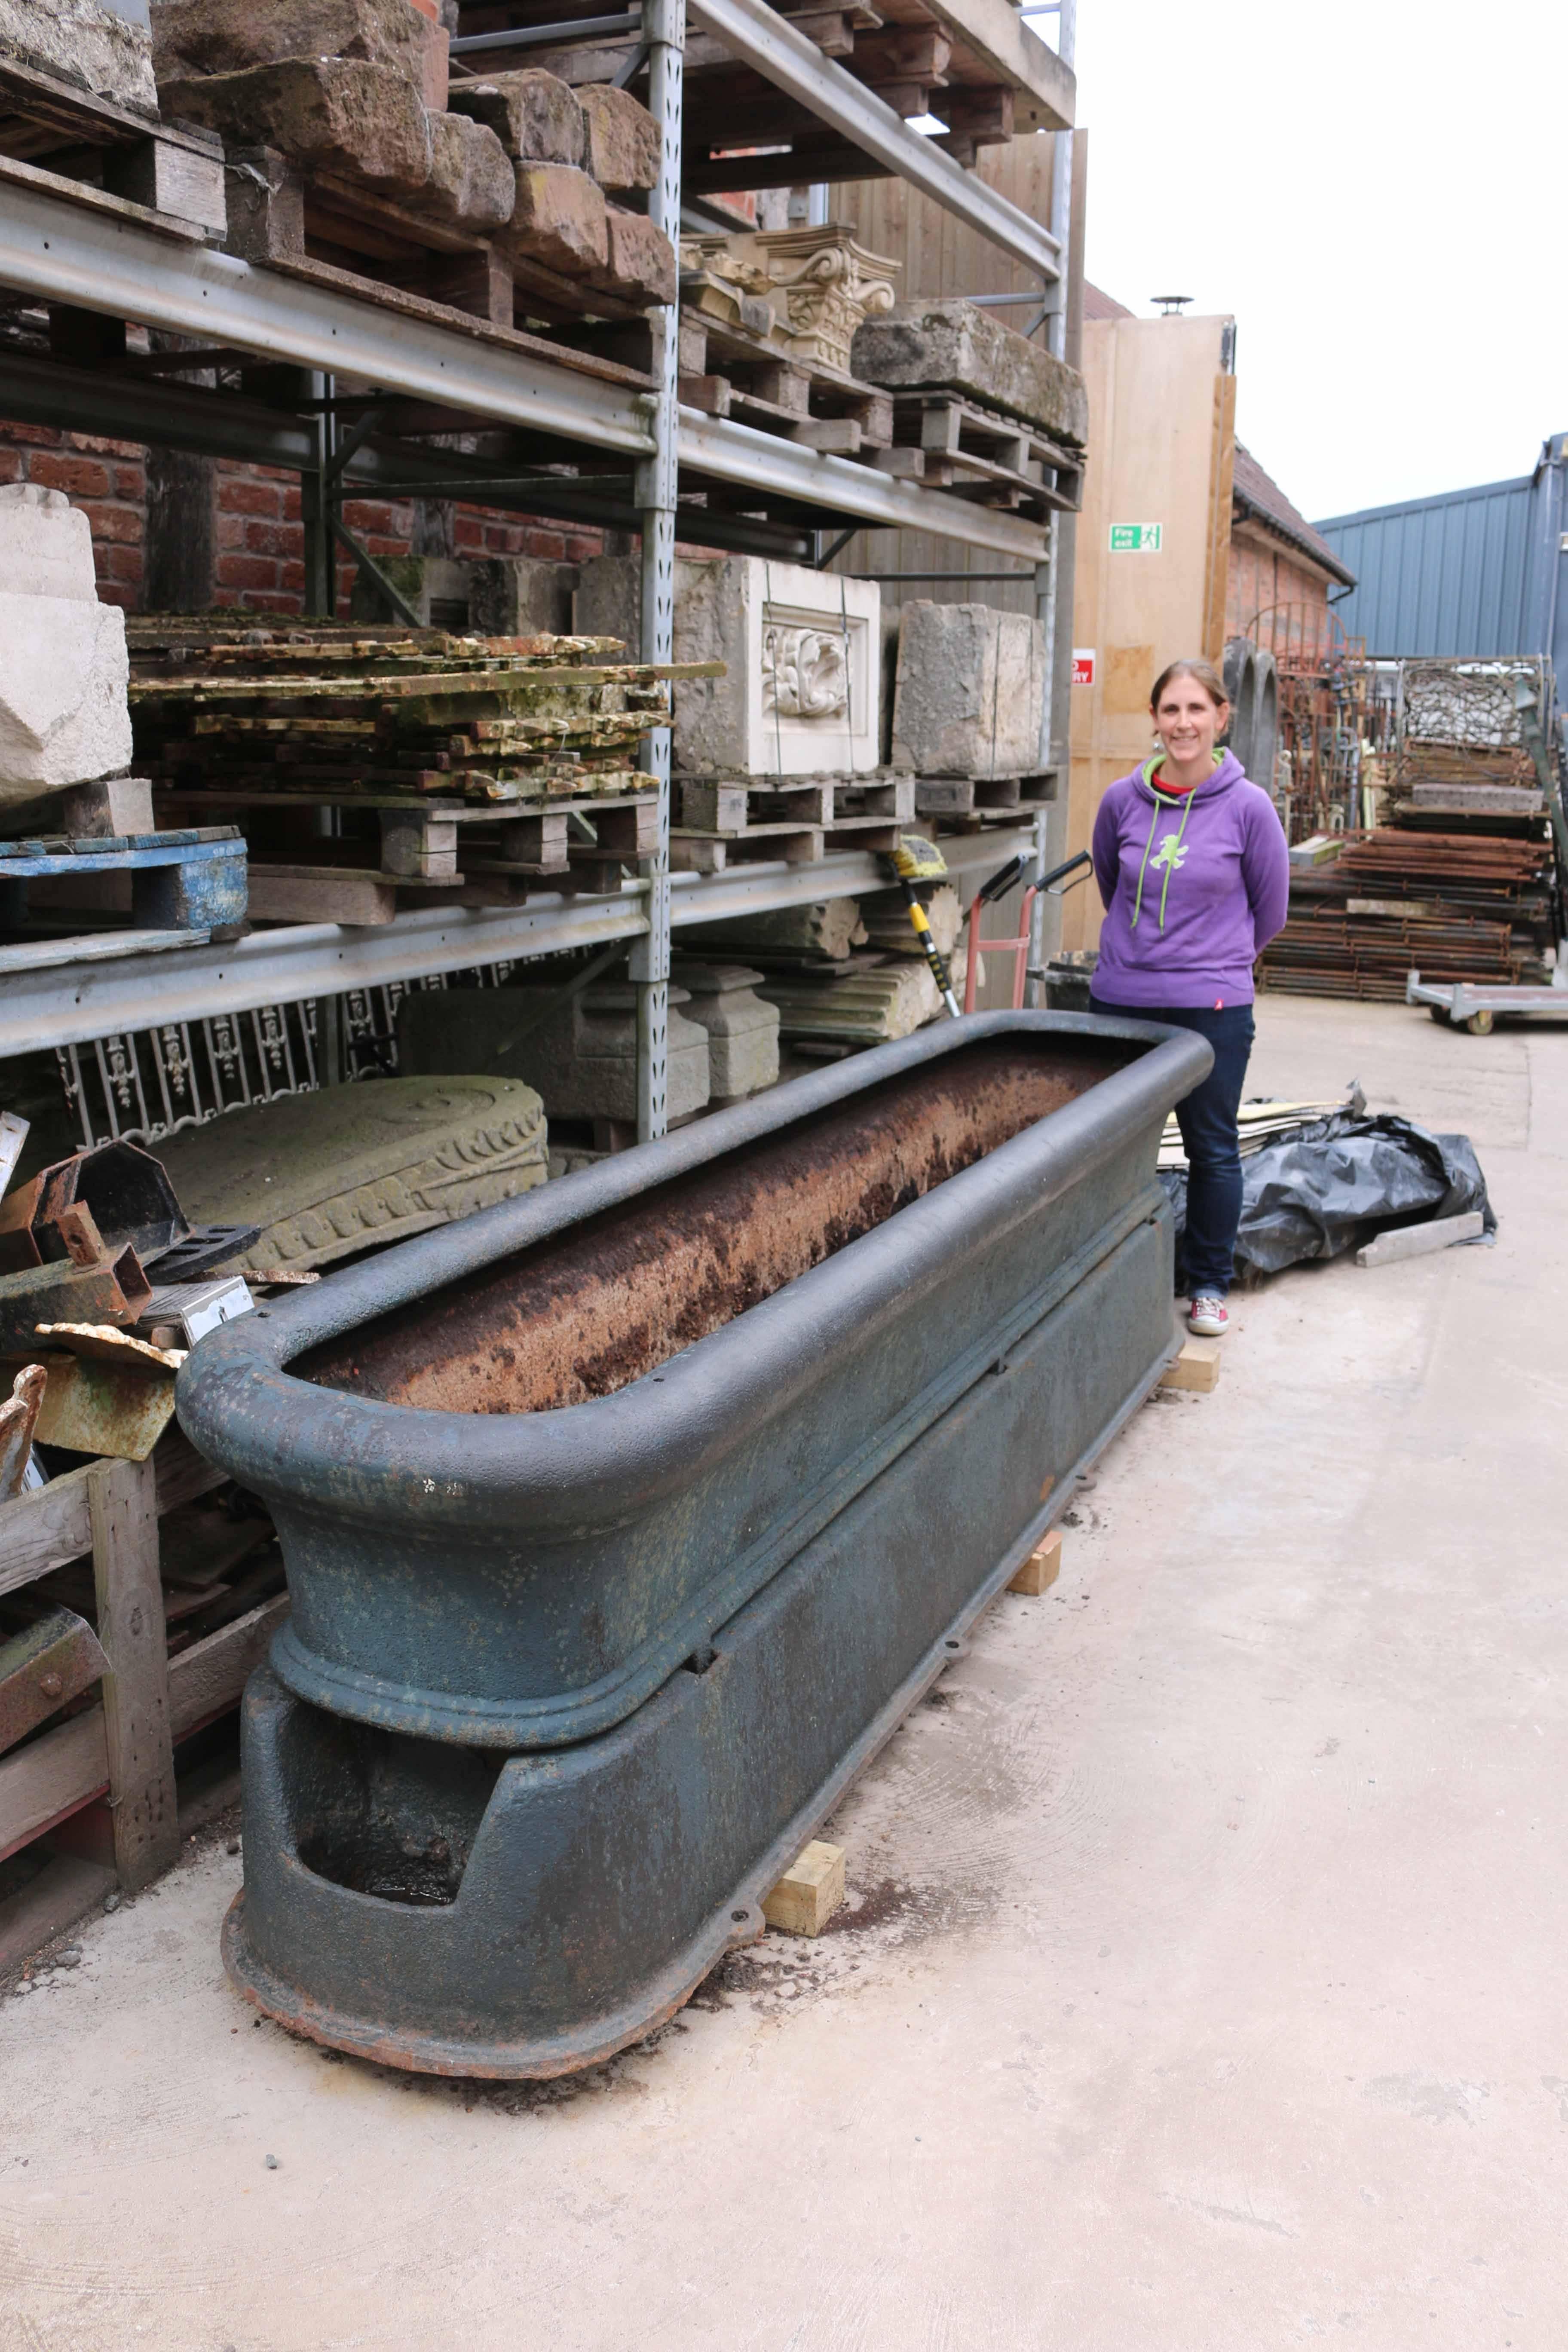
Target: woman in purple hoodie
1193,868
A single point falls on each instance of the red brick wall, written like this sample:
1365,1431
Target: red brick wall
1281,602
107,479
258,560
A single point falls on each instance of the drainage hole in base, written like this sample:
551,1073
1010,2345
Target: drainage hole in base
739,1917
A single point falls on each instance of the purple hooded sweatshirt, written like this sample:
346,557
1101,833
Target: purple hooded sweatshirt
1194,884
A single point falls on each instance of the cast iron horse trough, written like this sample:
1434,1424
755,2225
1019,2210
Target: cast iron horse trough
625,1521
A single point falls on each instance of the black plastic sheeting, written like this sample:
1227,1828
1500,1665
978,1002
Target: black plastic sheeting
1331,1188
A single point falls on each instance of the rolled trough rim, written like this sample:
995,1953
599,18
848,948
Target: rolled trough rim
597,1462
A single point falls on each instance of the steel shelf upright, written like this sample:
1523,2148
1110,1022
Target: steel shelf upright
656,491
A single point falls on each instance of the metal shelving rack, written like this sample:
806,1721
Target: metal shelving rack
59,251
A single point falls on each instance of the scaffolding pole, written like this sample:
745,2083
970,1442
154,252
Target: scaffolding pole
664,31
1054,583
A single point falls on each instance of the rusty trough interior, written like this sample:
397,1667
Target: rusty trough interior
595,1306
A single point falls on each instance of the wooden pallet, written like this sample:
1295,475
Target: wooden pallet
181,888
949,444
983,796
128,1525
816,407
64,141
457,855
305,224
691,852
738,804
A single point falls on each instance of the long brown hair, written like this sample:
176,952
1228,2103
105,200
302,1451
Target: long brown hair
1208,676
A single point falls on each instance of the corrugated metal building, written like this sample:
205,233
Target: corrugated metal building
1475,571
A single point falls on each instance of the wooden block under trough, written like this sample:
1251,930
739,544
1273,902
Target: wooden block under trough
1197,1367
809,1892
1042,1568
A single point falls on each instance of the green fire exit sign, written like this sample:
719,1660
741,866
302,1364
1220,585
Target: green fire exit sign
1135,538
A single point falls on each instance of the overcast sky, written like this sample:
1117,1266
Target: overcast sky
1376,192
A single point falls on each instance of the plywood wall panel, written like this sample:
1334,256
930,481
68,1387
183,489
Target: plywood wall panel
1161,450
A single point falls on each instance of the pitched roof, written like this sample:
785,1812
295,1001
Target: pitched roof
1257,496
1097,304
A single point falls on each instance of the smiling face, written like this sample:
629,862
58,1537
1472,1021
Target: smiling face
1187,721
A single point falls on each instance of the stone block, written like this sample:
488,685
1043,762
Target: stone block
46,545
743,1027
608,602
802,693
364,122
888,928
623,142
970,691
85,43
471,183
438,588
520,596
578,1050
558,219
867,1006
952,346
826,928
640,263
191,37
103,810
327,1174
534,114
64,716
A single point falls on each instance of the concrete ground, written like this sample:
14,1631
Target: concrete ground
1207,1986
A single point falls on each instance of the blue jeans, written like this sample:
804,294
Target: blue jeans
1208,1122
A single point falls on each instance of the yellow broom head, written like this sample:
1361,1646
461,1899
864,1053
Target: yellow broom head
918,860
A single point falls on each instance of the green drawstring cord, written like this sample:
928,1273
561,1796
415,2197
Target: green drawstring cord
1187,799
1147,845
1171,862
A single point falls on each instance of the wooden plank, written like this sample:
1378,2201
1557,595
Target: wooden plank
42,1530
321,894
137,1733
1421,1240
809,1892
96,947
442,314
181,1472
1197,1367
208,1678
168,177
17,174
64,1891
52,1778
1042,1568
39,96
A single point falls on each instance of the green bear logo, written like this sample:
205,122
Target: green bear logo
1168,854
